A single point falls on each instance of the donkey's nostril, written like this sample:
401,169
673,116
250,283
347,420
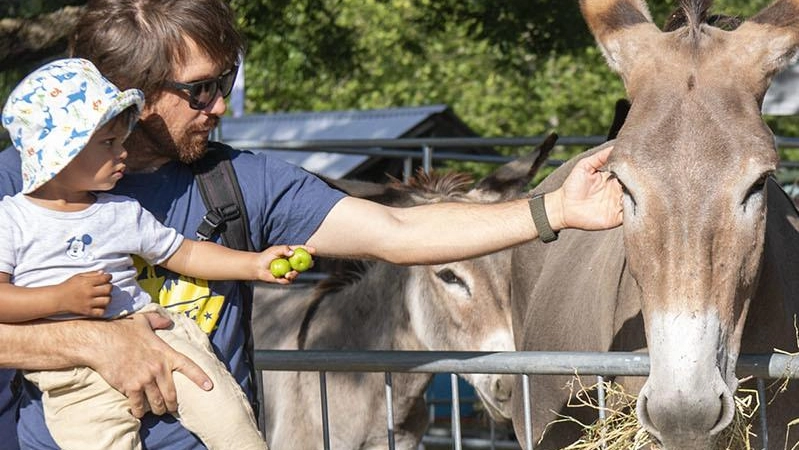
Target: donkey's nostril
643,415
726,413
677,416
502,391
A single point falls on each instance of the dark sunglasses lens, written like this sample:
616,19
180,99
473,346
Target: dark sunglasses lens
226,82
202,94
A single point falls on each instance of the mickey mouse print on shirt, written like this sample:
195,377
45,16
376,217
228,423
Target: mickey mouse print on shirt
77,247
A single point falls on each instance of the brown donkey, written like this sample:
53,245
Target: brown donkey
707,261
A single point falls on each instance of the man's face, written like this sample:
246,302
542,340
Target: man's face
175,129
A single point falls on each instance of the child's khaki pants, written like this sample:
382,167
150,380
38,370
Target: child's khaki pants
83,412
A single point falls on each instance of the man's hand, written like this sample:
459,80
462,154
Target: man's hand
137,363
87,294
589,198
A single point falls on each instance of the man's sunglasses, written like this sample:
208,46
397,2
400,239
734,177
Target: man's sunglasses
203,92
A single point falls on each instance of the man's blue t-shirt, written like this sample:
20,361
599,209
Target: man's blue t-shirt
285,205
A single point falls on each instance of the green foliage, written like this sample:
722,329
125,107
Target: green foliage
32,8
509,68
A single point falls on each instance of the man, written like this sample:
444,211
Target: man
183,55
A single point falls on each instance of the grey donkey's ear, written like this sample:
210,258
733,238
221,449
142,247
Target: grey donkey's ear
510,179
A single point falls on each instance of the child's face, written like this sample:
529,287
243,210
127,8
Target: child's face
100,164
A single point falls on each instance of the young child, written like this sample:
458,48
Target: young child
65,253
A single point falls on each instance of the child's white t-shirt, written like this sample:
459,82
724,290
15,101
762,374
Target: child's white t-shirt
42,247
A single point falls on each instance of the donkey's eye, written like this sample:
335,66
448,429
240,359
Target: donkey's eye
756,190
449,277
758,186
628,197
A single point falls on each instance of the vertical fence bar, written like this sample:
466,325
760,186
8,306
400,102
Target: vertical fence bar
493,433
325,418
389,412
427,158
528,418
456,412
600,394
259,386
407,169
761,393
600,382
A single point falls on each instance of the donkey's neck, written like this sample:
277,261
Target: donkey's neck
369,314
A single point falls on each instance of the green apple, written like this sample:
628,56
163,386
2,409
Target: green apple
279,267
301,260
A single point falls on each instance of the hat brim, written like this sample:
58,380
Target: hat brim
71,144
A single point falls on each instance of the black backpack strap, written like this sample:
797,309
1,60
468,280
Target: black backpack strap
219,187
227,217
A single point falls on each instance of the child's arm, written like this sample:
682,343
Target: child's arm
86,294
210,261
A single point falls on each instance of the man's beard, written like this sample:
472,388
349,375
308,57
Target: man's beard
191,147
188,147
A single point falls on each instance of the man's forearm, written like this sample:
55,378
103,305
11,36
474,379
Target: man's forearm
46,344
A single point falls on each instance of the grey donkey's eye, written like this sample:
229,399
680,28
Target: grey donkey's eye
449,277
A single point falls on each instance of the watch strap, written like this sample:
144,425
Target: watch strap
539,213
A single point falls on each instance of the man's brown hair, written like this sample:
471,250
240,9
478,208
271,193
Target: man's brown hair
136,43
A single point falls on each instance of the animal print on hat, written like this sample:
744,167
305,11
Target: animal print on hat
51,115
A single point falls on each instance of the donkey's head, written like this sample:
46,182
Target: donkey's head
693,155
461,305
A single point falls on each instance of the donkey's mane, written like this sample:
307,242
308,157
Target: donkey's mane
694,13
439,184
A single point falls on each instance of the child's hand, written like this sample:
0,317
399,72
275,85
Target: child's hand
270,270
87,293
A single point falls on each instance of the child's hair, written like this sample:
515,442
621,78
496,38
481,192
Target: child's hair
128,117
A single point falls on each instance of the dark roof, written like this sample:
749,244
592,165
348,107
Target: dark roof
390,123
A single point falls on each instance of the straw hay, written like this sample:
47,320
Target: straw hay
620,429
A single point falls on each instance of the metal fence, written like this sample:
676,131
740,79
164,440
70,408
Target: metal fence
523,363
440,148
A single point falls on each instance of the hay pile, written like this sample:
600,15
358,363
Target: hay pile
620,429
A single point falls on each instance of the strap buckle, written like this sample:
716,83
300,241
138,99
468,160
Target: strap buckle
215,219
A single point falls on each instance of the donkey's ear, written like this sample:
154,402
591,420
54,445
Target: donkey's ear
615,25
770,39
510,179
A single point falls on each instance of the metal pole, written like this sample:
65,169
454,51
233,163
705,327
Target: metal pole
601,396
600,380
407,169
528,420
389,412
456,412
761,392
259,383
427,158
325,418
493,433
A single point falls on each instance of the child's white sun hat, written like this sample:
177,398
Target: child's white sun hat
51,115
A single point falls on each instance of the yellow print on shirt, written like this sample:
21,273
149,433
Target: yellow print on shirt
188,295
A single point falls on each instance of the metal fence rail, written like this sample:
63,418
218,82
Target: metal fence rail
435,148
524,363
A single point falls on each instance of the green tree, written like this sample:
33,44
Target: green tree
510,68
